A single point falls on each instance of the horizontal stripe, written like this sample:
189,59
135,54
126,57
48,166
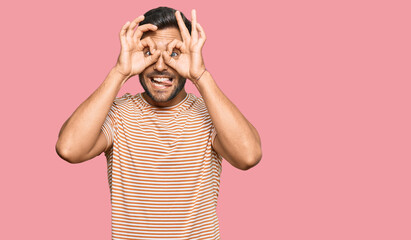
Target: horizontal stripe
163,172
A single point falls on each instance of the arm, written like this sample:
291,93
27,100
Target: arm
237,140
80,137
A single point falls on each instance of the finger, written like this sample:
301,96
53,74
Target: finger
147,42
124,28
183,29
123,32
133,25
175,44
143,28
202,34
154,57
194,33
169,60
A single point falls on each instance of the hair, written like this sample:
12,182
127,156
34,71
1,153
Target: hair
164,17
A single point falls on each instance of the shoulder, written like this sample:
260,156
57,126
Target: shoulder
125,103
198,106
195,101
124,100
128,101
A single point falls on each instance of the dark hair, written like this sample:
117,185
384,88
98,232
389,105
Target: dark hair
164,17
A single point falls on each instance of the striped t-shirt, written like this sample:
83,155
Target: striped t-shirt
163,172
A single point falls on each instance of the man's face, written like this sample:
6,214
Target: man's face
152,78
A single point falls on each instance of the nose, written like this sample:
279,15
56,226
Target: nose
160,65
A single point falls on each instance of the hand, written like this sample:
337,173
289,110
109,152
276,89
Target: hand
189,64
136,54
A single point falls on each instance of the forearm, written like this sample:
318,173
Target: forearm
236,135
80,132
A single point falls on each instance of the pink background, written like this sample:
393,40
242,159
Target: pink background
326,83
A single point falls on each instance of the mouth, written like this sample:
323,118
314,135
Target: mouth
161,82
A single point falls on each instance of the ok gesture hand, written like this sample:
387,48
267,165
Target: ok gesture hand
189,64
132,60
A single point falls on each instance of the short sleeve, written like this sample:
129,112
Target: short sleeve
108,127
213,135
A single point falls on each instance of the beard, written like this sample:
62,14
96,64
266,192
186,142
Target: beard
160,97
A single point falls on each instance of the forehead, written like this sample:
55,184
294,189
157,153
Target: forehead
164,36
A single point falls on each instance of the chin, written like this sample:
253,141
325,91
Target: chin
160,96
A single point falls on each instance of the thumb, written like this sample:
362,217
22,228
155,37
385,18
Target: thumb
169,60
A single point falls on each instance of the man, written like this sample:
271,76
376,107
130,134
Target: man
164,147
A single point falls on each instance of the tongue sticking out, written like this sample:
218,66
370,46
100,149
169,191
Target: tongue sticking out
162,81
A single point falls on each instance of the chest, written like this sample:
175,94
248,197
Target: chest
164,132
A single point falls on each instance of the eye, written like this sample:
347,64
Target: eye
148,53
174,54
